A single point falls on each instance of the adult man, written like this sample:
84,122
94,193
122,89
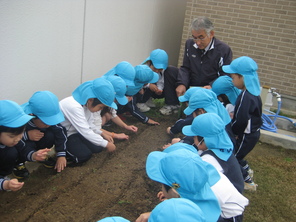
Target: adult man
204,56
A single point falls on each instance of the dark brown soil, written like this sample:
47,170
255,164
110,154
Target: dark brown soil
117,185
107,185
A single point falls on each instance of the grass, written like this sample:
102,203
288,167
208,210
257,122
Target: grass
274,172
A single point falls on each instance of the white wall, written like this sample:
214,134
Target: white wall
57,44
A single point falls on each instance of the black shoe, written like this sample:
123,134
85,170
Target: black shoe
20,171
49,163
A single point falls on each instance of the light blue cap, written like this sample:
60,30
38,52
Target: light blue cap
187,94
145,75
120,87
113,219
207,99
246,67
180,145
45,105
12,115
183,171
125,70
99,88
133,90
214,176
159,58
177,210
212,128
224,85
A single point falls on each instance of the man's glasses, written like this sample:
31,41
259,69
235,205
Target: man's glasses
199,38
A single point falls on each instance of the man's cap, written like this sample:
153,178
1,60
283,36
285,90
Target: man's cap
145,75
183,171
125,70
246,67
113,219
119,86
12,115
187,94
99,88
45,105
159,58
224,85
177,210
212,128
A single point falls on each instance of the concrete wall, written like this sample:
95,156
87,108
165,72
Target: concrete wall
56,45
261,29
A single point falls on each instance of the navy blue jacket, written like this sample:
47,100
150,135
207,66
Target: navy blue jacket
201,70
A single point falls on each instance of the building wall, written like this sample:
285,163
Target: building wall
262,29
56,45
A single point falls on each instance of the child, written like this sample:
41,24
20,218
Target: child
216,146
45,130
246,120
176,210
177,127
113,219
89,97
158,62
184,171
205,101
227,93
12,125
144,75
104,116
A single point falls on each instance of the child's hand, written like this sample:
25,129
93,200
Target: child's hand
107,137
12,184
143,217
121,136
60,164
35,135
207,87
153,87
152,122
166,146
132,128
158,92
110,147
40,155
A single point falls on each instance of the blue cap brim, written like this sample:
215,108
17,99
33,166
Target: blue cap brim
155,78
188,111
122,100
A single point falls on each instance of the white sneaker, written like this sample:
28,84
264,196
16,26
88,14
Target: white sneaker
143,107
251,173
150,103
251,186
169,109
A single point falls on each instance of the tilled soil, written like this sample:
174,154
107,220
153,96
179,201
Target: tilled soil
107,185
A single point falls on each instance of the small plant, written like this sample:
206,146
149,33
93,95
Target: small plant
124,202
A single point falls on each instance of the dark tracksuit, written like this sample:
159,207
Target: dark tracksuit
169,93
200,69
133,109
246,125
231,169
54,135
10,155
